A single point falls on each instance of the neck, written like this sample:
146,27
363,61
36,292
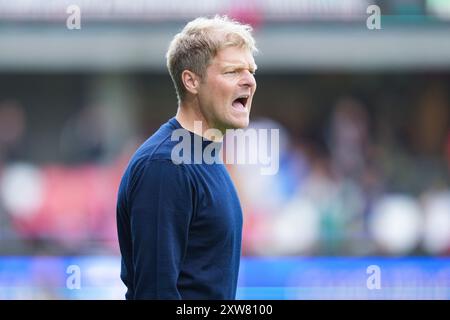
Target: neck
188,113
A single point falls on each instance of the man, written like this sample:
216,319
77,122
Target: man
180,225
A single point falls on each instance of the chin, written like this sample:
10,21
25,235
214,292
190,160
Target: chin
239,124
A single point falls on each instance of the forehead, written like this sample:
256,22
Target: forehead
234,56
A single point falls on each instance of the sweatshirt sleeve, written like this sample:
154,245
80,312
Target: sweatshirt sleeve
161,209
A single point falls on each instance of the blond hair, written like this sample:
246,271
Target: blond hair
200,40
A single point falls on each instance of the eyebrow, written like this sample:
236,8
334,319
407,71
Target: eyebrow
240,66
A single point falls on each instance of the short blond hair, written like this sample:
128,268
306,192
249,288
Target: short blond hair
198,43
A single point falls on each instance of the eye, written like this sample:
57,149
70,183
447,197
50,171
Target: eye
231,72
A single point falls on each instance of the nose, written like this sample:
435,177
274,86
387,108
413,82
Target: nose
247,79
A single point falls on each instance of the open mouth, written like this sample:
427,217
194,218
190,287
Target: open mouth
241,102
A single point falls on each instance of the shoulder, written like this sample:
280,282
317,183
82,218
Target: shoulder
160,145
153,154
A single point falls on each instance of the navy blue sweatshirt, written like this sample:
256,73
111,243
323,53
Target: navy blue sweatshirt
179,225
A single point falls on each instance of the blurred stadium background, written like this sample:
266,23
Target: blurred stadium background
364,119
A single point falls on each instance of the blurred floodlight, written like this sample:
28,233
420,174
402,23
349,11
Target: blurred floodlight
21,189
297,229
396,224
439,8
437,223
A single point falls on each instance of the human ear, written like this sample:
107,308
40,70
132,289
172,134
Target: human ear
190,81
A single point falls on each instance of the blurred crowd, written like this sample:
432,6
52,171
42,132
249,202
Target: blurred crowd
370,180
366,192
